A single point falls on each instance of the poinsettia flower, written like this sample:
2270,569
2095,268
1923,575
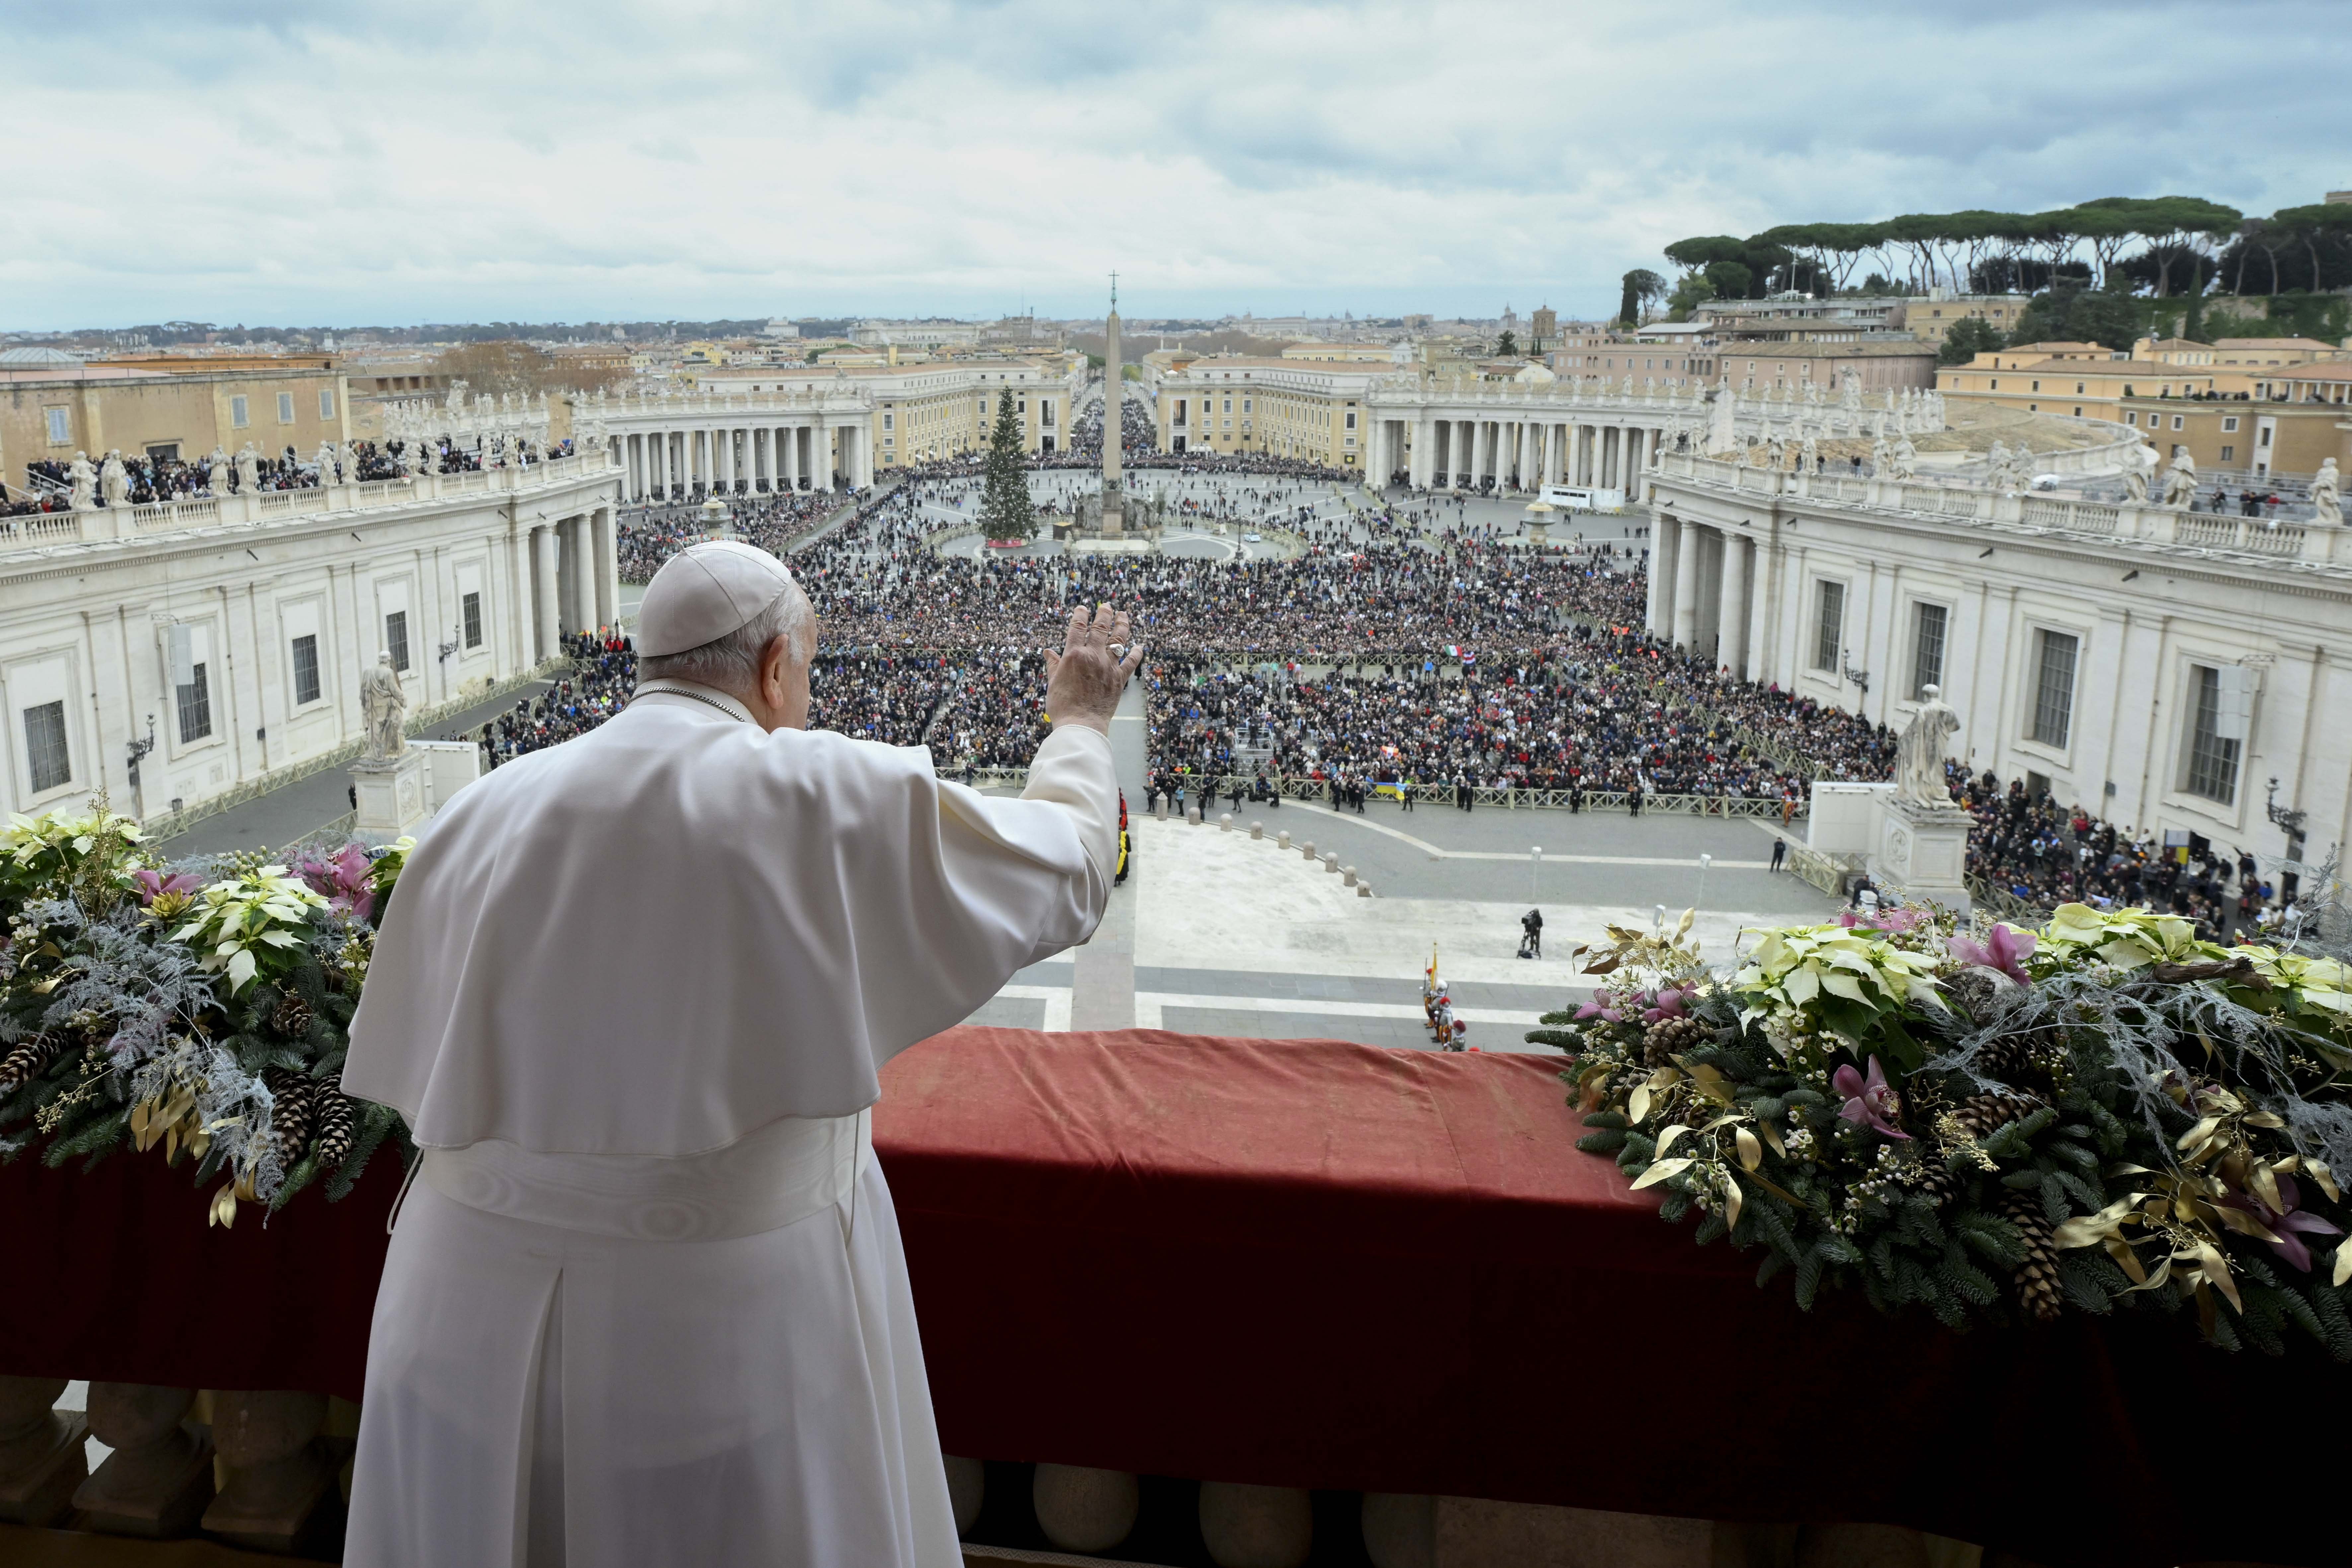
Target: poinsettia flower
1869,1101
154,885
2005,949
2285,1223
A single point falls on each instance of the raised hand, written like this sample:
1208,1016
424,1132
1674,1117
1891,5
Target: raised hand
1084,680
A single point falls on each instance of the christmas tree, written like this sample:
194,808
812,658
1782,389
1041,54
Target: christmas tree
1006,512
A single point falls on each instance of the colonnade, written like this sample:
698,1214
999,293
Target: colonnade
1448,452
572,565
1702,590
681,462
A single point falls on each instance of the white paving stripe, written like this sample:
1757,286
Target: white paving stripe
1434,853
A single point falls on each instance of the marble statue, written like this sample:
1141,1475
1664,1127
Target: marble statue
2138,464
81,483
248,469
2327,501
326,461
1907,458
1919,753
2180,480
217,473
384,705
1776,451
1809,455
348,462
1850,391
114,480
1881,458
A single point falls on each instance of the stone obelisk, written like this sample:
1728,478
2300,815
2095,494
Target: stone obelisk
1113,395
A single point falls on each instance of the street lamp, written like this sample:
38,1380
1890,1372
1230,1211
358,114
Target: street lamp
137,750
2289,820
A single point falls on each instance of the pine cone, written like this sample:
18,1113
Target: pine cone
290,1117
291,1017
1937,1181
332,1113
1977,994
1667,1036
1982,1115
2037,1275
28,1061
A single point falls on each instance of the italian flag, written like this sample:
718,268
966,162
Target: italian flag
1460,655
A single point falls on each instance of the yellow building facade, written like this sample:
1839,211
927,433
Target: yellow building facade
1288,409
159,414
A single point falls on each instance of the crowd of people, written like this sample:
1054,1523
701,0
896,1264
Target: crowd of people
48,482
1406,652
2029,849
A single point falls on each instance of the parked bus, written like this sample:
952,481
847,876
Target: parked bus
1584,498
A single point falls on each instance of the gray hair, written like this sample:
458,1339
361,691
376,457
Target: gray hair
731,663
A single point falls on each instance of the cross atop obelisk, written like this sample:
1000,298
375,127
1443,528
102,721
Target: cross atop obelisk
1113,502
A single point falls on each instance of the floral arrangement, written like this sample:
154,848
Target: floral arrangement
1992,1122
206,1011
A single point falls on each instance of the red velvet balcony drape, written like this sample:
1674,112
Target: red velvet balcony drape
1321,1264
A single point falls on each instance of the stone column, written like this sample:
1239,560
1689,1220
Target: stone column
757,442
1666,538
567,565
1686,550
606,533
1731,618
585,573
791,467
543,590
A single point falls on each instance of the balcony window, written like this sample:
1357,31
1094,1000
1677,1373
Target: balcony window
306,669
46,758
2053,687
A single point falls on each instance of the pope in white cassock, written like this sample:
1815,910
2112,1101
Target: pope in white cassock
645,1302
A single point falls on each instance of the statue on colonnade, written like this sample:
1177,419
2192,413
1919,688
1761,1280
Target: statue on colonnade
1919,753
81,483
1907,458
2139,463
383,706
248,469
2180,480
217,473
2326,500
114,480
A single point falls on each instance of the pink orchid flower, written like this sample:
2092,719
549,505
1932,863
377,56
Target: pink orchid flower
154,885
1668,1003
343,880
1870,1102
1893,922
2285,1223
2006,949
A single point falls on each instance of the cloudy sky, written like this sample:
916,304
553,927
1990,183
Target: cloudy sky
315,162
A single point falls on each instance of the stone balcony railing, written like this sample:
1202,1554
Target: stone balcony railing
40,529
2146,525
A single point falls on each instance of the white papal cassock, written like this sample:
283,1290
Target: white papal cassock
645,1303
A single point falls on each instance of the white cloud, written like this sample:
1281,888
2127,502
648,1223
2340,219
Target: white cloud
283,162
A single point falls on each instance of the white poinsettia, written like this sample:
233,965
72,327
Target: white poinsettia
2127,939
236,919
1794,967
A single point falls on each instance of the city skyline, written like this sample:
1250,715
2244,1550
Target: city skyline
437,163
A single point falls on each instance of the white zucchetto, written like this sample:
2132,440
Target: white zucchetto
705,591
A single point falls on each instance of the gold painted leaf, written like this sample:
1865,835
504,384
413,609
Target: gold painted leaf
1660,1172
